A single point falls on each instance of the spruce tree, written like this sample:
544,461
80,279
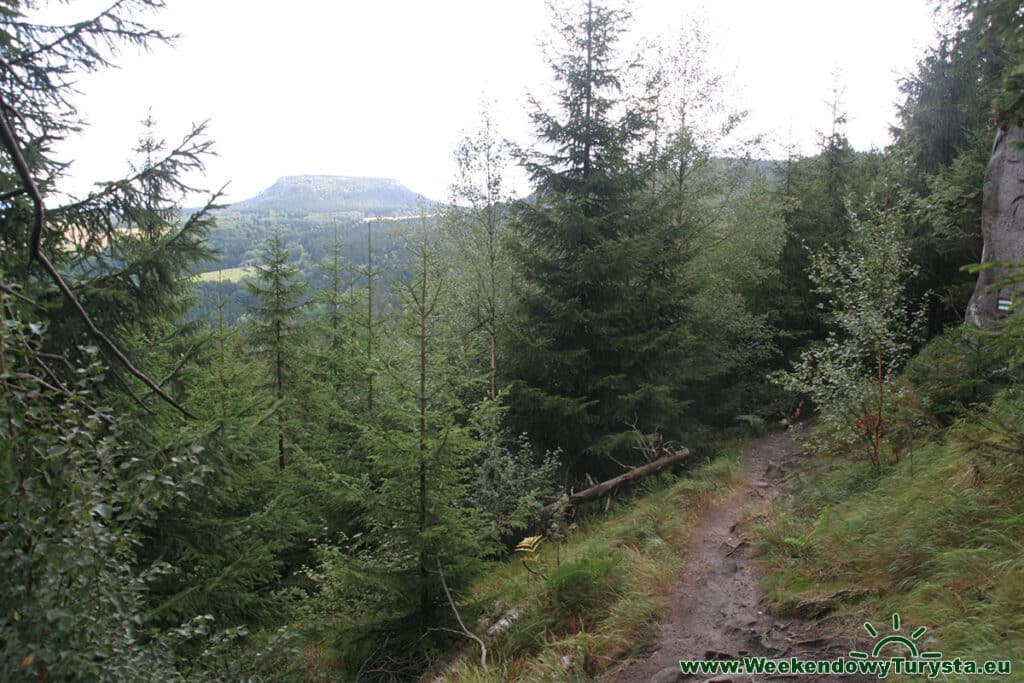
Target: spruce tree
332,403
943,141
417,507
275,326
591,348
339,347
371,273
226,540
715,228
812,193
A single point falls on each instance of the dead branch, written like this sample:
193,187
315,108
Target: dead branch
650,446
465,631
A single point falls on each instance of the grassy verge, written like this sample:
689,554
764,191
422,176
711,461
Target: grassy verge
593,600
938,539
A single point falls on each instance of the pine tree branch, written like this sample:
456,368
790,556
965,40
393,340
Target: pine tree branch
124,29
39,220
12,194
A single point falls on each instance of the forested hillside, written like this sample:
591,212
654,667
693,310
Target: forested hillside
341,431
314,216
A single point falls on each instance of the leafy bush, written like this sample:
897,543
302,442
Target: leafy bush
74,499
851,375
71,597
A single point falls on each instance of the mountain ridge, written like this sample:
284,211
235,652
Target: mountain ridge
357,196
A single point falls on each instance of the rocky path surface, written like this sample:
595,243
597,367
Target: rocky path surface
715,612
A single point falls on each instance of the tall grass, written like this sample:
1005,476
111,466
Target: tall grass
939,539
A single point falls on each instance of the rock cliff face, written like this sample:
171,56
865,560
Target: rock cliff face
1002,226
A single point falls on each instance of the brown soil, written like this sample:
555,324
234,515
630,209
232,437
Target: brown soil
716,611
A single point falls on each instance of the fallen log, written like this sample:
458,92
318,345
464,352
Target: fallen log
607,486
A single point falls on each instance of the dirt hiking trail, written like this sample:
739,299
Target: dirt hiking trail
716,611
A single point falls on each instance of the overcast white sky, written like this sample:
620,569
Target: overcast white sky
386,87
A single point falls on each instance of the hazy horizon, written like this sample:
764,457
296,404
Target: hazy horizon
387,90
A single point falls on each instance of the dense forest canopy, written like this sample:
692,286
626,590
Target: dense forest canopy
282,439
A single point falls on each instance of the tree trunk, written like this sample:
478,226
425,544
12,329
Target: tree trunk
279,378
423,313
369,317
607,486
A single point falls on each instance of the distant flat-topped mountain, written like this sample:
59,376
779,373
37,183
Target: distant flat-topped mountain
336,194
